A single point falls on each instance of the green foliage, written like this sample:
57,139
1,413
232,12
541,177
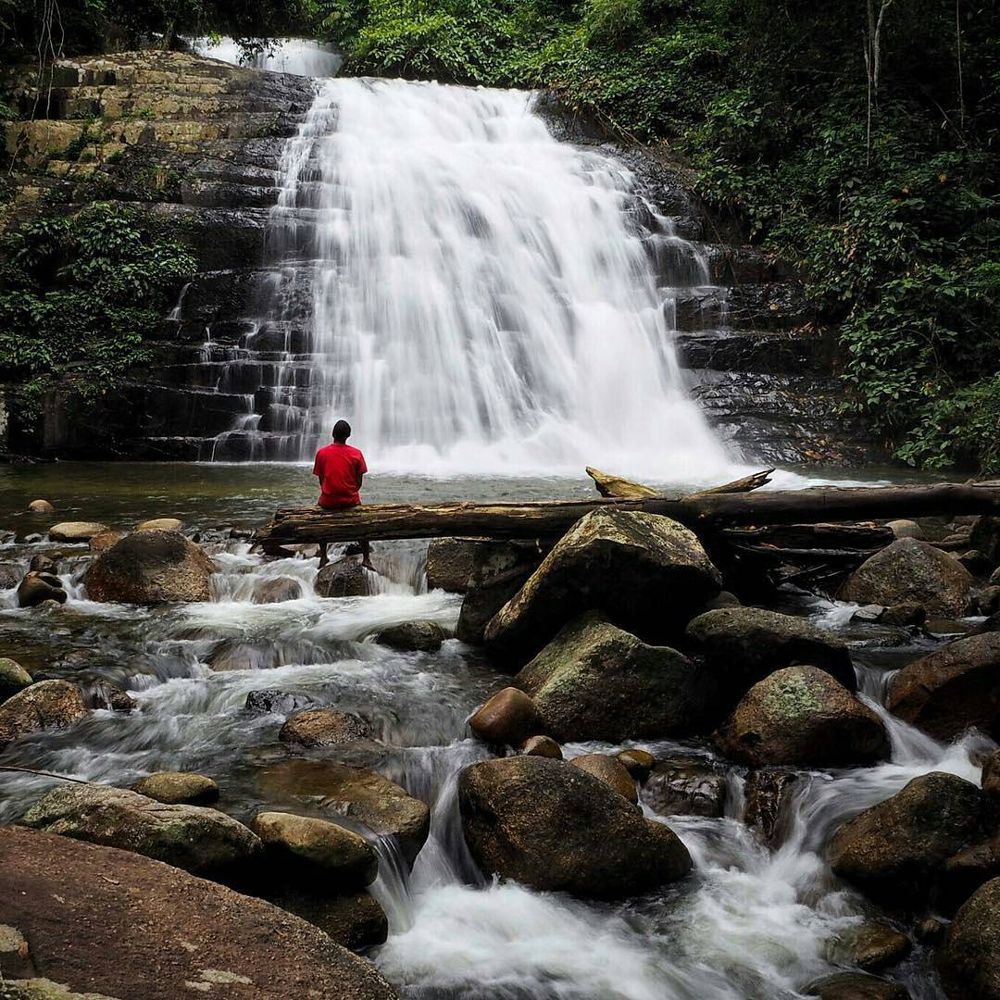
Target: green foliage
79,295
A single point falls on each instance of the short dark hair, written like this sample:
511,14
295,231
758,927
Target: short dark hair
341,430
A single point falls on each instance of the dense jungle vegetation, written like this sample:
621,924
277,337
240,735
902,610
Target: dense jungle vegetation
857,139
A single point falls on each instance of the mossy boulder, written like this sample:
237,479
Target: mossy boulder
13,678
802,716
594,681
911,571
647,573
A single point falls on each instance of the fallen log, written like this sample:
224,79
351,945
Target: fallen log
609,485
703,513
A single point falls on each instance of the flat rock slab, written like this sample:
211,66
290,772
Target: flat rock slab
105,921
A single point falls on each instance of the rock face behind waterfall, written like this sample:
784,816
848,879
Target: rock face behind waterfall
597,682
648,573
150,567
554,827
132,928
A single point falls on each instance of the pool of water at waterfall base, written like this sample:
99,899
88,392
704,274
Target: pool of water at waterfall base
749,922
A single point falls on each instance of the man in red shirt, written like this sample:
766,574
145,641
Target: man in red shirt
340,469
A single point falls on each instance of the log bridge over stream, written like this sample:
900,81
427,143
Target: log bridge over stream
817,526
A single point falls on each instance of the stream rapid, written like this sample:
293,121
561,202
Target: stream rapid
749,922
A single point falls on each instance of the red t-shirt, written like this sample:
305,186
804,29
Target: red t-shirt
340,468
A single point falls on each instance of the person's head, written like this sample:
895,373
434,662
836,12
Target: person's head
341,431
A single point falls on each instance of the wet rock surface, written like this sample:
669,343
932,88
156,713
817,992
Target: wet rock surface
549,825
178,788
46,705
412,637
969,959
206,934
681,786
344,578
321,727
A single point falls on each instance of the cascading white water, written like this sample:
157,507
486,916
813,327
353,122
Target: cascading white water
483,299
301,56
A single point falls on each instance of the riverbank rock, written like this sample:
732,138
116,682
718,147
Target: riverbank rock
13,678
10,575
207,940
324,727
911,571
542,746
969,959
685,787
459,564
197,839
38,587
595,681
45,705
41,507
178,788
316,849
104,541
484,600
743,645
75,531
904,528
150,567
555,828
345,578
896,850
326,786
412,637
637,762
649,574
611,771
508,718
871,946
952,689
802,716
354,920
276,590
161,524
855,986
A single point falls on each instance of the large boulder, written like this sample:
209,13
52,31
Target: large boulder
556,828
150,567
744,645
595,681
197,839
896,850
45,705
75,531
459,564
178,788
332,788
802,716
13,678
969,959
109,922
911,571
952,689
354,920
484,600
648,573
322,727
316,849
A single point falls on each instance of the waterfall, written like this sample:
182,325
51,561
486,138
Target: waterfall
301,56
474,296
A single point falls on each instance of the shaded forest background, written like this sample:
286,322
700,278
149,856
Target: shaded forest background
857,140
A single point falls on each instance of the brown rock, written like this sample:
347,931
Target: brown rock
802,716
767,793
323,727
205,933
317,848
345,578
610,770
328,787
41,507
506,719
952,689
38,587
542,746
855,986
276,590
354,920
45,705
459,564
105,540
484,600
896,850
556,828
969,959
911,571
150,567
637,762
412,637
161,524
178,788
871,946
75,531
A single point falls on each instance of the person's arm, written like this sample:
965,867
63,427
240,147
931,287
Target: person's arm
318,468
362,468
